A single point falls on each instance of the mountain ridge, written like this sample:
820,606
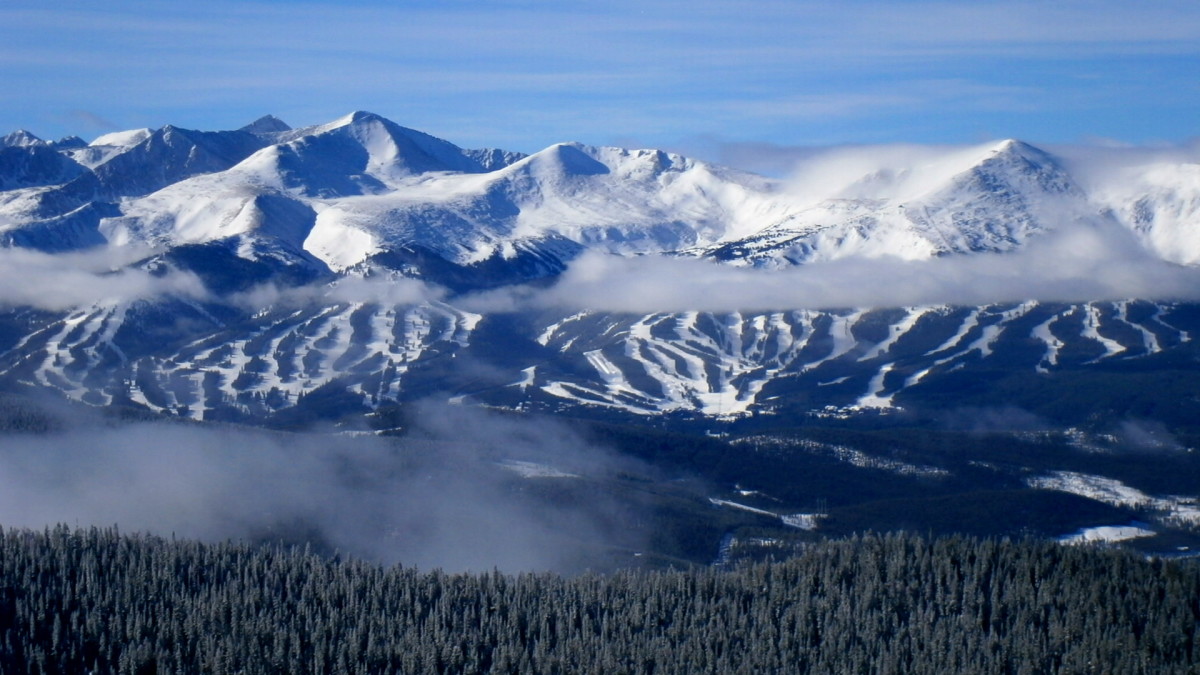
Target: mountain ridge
372,260
382,186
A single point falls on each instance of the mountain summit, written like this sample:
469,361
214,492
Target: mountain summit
20,139
362,186
266,126
235,274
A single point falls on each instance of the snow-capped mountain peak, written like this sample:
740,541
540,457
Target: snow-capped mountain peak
267,125
122,139
915,203
360,186
362,199
363,153
1018,160
20,139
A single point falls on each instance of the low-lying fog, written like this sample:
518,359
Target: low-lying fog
448,498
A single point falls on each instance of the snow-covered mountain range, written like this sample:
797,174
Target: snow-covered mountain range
360,185
275,224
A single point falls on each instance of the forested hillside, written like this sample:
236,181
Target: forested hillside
97,601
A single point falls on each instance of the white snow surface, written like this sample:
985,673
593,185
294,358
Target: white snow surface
1107,533
527,469
721,364
374,186
122,138
1099,488
803,521
271,366
344,191
1182,509
1160,201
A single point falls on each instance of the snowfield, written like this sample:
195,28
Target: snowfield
1107,534
1173,509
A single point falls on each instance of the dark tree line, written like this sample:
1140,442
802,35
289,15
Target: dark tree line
97,601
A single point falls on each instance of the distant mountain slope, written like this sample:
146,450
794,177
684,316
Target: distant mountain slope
367,185
991,198
276,223
703,364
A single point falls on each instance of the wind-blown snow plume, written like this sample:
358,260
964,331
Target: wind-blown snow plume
894,172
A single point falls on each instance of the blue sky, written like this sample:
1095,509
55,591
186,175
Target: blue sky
701,75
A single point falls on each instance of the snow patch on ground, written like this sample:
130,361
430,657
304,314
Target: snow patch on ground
122,138
526,469
850,456
1177,510
803,521
1099,488
875,398
741,507
1107,533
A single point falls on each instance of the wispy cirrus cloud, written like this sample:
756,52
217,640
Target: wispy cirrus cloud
783,71
92,121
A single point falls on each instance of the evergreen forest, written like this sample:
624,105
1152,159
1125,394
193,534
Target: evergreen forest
98,601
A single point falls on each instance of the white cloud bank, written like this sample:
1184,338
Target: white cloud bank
380,291
1076,265
58,282
63,281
